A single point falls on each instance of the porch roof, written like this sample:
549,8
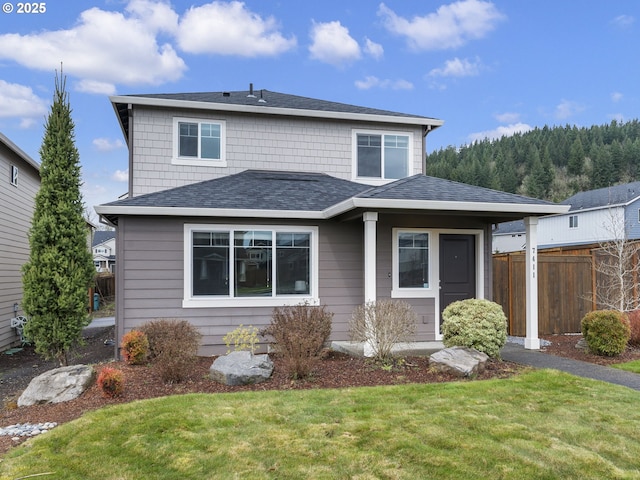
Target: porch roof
278,194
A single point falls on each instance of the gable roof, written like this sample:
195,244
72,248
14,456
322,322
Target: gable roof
265,102
19,152
102,236
604,197
278,194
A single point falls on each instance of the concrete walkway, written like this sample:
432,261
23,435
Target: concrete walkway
102,322
518,354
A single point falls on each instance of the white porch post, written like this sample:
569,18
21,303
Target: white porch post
370,226
531,341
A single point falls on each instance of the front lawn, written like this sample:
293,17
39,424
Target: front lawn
633,366
541,424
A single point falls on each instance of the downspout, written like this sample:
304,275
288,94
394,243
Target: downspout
427,129
130,142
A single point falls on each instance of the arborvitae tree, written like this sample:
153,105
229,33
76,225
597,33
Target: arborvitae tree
57,276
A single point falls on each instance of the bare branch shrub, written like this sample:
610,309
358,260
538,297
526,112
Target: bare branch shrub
173,347
299,333
383,324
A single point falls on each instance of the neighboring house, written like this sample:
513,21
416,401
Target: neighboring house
594,217
19,183
103,249
243,201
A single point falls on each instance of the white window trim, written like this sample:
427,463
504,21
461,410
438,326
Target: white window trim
204,162
14,175
396,291
354,156
573,226
190,301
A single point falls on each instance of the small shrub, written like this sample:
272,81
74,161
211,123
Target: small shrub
634,325
299,333
135,347
475,323
111,382
173,347
383,323
606,332
242,338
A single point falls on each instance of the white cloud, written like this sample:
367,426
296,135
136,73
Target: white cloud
94,86
457,68
501,131
507,117
616,97
103,48
567,108
230,29
374,82
373,49
623,21
158,16
618,117
106,145
19,101
332,44
120,176
450,26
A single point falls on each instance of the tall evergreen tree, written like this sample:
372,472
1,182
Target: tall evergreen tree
60,268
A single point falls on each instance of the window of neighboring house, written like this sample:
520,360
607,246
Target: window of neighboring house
250,264
411,260
382,155
573,221
14,175
199,142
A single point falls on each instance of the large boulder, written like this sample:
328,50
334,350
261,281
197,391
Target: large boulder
241,368
57,385
460,361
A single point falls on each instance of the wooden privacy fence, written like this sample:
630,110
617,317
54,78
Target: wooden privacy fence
105,287
565,287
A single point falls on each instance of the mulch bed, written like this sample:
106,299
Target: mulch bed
141,382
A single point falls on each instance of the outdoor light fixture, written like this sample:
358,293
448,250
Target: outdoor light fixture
15,308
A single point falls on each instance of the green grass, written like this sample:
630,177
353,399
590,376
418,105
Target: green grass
538,425
633,366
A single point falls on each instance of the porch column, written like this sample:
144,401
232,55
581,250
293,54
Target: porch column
370,226
531,341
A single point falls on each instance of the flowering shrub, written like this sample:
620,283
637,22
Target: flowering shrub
135,347
299,333
475,323
173,347
242,338
606,332
111,382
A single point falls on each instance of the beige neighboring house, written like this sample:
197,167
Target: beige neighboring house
19,183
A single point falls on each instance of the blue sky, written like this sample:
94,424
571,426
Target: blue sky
487,68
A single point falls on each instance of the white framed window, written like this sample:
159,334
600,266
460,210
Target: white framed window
199,142
573,221
14,175
250,265
412,262
382,155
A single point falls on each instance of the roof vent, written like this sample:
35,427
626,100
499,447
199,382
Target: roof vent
262,100
251,95
226,94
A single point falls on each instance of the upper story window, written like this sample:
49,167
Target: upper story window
573,221
14,175
384,156
199,142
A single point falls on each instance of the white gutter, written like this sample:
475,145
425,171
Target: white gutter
204,212
265,109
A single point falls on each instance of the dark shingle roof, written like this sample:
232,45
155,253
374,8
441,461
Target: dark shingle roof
102,236
255,190
421,187
602,197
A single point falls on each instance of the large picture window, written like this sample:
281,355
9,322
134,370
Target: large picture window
250,263
382,155
199,142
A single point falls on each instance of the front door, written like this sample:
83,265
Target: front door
457,268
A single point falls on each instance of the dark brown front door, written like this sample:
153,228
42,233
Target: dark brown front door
457,268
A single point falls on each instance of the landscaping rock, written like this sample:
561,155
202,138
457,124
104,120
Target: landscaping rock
460,361
57,385
241,368
582,344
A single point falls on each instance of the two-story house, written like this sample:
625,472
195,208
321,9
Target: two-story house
103,249
247,200
19,183
594,217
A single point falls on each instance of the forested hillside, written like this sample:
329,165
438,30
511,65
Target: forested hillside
551,163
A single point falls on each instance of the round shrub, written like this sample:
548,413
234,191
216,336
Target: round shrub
135,347
111,382
475,323
606,332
